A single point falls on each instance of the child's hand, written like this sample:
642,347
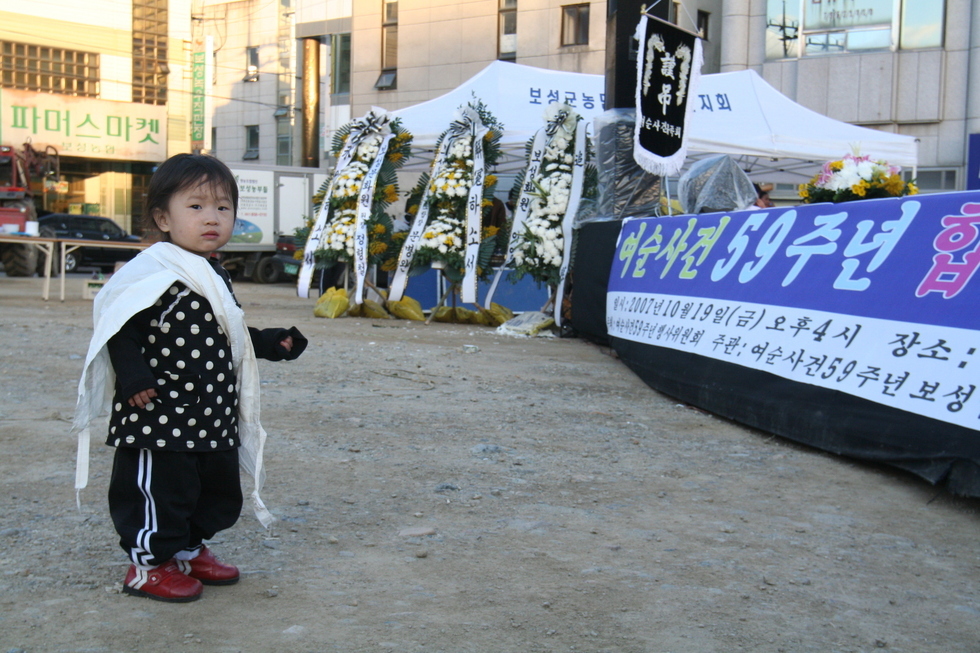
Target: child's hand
142,398
287,343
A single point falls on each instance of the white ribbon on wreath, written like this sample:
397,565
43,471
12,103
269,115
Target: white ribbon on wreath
575,195
542,139
375,121
364,202
468,124
474,214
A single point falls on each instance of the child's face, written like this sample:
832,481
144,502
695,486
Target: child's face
199,219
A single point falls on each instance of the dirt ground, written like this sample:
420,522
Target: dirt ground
523,495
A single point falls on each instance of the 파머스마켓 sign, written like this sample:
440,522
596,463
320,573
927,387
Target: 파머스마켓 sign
84,127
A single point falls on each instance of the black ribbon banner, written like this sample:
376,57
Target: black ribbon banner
667,72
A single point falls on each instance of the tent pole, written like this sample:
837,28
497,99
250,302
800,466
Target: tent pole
667,191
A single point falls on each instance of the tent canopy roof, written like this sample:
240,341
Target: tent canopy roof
736,113
739,113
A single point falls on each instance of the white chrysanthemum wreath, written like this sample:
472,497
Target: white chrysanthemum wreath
559,174
447,205
353,201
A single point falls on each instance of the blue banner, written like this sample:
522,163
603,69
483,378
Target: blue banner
875,298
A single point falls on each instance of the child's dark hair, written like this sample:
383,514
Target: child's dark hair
183,171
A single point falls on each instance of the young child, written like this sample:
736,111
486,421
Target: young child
173,363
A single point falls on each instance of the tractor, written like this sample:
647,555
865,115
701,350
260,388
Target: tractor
17,207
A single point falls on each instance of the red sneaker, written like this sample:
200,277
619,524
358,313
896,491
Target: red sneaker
207,569
163,583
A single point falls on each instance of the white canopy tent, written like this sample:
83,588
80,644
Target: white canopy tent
736,113
741,115
516,95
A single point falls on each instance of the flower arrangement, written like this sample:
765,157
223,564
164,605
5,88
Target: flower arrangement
541,247
447,192
855,178
337,240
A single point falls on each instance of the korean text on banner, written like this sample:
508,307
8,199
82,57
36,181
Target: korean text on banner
876,298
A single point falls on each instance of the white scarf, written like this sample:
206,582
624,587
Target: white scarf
136,286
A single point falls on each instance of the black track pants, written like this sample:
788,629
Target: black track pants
162,502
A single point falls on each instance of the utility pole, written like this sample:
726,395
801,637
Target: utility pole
788,30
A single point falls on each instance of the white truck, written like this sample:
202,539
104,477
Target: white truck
273,201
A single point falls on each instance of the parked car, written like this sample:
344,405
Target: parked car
89,227
287,266
286,263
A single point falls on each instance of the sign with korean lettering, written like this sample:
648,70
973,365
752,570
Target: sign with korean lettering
255,221
825,14
84,127
587,102
668,65
875,298
201,74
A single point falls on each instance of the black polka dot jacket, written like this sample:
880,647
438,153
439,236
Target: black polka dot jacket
177,348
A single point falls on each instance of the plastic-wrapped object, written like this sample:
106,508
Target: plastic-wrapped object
715,184
625,189
528,324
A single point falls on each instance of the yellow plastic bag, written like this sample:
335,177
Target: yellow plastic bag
458,315
672,208
407,308
481,316
498,314
332,303
369,309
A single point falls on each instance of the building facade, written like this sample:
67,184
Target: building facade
901,66
396,53
116,86
105,85
249,52
287,72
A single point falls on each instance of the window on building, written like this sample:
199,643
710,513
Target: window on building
214,140
507,36
339,64
575,24
703,17
150,67
284,141
251,142
251,64
389,46
825,29
922,24
285,48
387,80
49,70
932,181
